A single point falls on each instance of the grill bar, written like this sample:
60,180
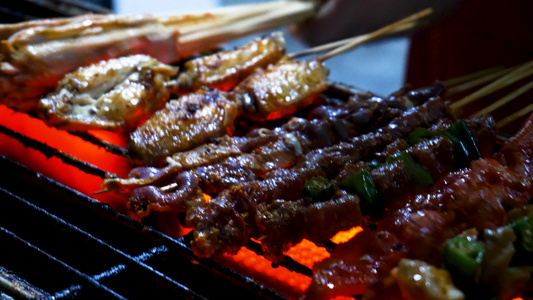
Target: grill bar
51,264
71,233
50,151
141,246
103,144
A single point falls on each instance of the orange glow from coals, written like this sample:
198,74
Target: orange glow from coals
287,283
344,236
307,253
53,167
207,198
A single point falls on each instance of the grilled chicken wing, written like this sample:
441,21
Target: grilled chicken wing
183,124
35,56
225,69
117,94
282,88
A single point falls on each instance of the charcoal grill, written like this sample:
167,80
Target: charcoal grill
60,242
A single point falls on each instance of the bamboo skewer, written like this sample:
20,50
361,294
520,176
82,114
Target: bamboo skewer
518,74
521,90
228,15
361,38
378,33
475,82
522,112
292,12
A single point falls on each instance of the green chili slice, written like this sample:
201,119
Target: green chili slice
523,229
373,164
361,184
318,189
419,175
464,145
420,134
463,258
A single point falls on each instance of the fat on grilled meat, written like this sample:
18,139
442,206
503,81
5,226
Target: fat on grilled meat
225,69
117,94
282,89
233,209
185,123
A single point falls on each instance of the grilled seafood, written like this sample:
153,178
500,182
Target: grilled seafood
118,94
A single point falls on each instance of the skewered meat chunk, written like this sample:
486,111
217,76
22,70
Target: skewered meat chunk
355,265
225,69
282,88
183,124
117,94
282,224
185,193
235,206
266,150
471,198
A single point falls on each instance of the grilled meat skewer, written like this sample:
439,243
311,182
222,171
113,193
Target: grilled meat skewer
226,69
226,213
326,124
279,227
266,150
183,124
477,198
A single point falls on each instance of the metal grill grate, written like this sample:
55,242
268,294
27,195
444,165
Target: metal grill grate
67,244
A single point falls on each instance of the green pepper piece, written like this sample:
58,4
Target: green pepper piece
361,184
463,258
523,229
464,145
418,135
419,175
318,189
373,164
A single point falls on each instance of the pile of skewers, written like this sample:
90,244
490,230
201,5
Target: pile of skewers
425,185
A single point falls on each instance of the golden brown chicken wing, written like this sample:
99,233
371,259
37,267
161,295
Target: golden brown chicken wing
117,94
184,123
